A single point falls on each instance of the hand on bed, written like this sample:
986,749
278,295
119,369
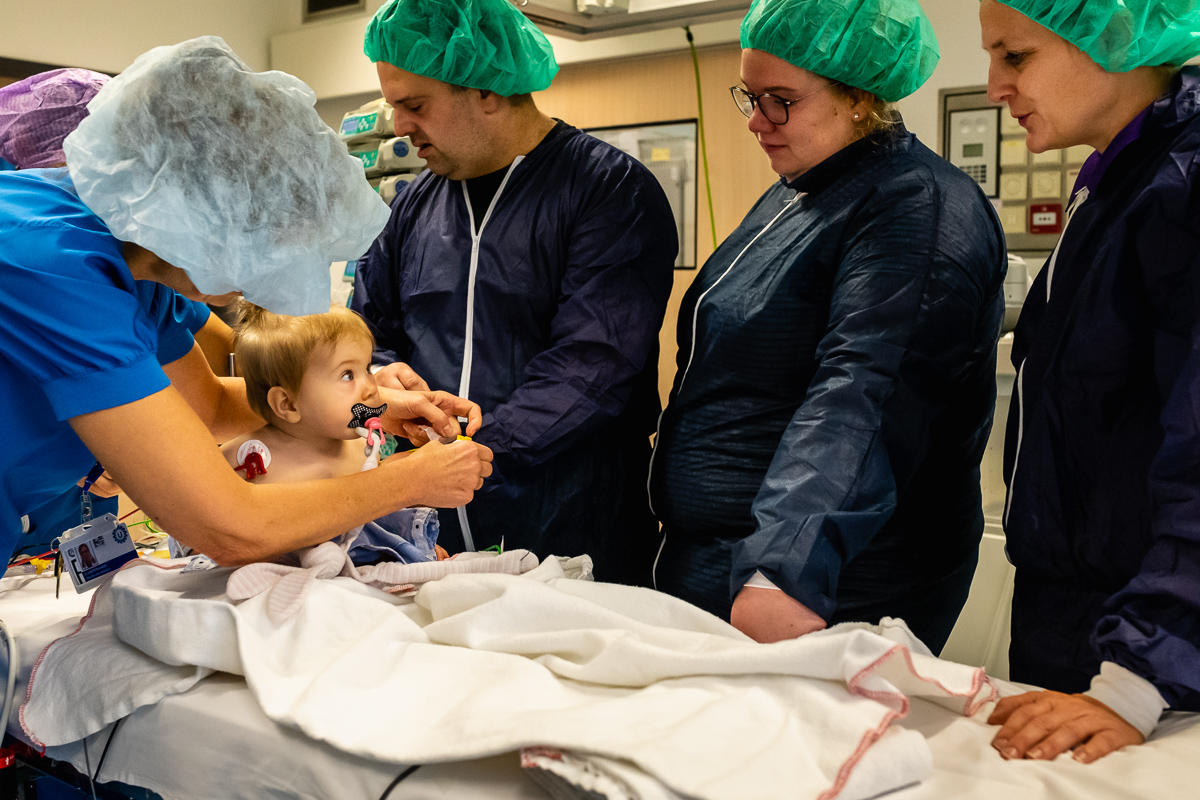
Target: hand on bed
1040,725
770,615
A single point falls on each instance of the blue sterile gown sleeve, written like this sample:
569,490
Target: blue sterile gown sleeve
1103,446
830,413
574,269
77,334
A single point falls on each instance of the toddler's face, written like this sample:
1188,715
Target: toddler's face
336,379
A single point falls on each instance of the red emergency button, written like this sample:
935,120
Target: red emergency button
1045,218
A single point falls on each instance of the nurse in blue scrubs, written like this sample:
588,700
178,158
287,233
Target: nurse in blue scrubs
165,196
36,115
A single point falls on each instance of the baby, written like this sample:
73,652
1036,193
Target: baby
309,378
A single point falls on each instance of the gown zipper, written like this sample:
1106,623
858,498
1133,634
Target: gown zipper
688,366
1076,202
464,381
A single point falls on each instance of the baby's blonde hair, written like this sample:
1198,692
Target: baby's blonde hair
275,350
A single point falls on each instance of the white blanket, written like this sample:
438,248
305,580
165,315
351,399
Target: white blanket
484,664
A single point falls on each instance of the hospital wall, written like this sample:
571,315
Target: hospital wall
963,63
107,36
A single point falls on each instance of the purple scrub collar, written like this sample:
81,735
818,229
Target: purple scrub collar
1097,163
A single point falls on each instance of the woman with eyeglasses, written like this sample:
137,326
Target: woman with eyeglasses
818,461
1103,461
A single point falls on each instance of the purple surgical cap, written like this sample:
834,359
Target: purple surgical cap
36,114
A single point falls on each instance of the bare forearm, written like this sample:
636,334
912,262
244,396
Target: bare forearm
256,523
263,522
216,342
233,415
158,450
219,403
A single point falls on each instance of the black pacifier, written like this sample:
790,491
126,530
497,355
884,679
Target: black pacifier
362,413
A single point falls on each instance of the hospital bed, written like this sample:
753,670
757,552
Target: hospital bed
214,742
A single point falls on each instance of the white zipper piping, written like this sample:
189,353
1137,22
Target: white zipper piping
692,352
1020,435
464,380
1071,209
1075,204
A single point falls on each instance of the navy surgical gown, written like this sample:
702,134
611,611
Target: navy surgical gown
573,270
77,334
1103,444
835,392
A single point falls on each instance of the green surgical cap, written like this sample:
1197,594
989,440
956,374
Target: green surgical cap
885,47
1121,35
484,44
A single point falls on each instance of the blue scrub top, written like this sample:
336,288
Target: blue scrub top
77,334
191,314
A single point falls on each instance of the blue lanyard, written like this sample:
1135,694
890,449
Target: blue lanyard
85,499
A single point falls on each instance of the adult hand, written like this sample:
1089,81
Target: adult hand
770,615
451,473
401,376
408,410
1040,725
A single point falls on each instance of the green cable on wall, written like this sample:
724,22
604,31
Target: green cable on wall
712,220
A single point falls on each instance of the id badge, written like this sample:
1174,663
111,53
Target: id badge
95,549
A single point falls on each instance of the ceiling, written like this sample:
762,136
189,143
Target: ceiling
596,19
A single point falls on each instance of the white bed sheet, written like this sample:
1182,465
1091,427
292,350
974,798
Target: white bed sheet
215,742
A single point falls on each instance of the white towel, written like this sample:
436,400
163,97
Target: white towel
85,680
487,664
98,674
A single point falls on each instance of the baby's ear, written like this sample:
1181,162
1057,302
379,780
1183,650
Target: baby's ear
282,404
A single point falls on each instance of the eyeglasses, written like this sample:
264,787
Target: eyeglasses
775,109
